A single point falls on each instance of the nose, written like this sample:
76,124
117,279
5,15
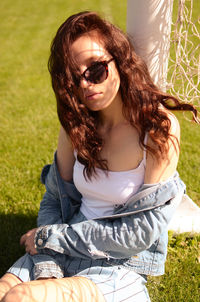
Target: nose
84,83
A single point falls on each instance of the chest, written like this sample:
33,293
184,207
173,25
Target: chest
121,149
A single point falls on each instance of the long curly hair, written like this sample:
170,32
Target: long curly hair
141,98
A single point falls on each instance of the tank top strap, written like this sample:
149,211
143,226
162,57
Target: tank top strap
145,150
75,154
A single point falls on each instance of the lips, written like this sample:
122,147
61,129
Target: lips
92,95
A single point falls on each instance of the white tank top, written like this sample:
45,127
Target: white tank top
105,191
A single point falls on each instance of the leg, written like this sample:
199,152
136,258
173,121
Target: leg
73,289
7,282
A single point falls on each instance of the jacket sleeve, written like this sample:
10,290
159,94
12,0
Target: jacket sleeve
120,238
50,208
61,199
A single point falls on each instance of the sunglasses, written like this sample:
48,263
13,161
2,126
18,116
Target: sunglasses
96,73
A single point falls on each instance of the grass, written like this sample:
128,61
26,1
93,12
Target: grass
29,130
181,281
189,163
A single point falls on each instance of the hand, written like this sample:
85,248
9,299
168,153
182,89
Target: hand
28,241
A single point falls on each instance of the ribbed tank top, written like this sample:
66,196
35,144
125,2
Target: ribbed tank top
105,191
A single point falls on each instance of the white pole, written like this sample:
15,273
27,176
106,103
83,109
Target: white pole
149,27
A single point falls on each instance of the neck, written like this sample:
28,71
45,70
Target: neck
112,115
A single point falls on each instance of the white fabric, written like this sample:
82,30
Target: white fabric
186,218
103,192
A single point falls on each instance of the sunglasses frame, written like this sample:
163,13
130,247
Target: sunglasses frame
103,63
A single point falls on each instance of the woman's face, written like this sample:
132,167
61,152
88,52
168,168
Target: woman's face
87,50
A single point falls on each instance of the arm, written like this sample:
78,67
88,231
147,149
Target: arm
50,208
119,238
65,156
50,211
161,170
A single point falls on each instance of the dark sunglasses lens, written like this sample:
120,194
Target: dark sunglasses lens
96,73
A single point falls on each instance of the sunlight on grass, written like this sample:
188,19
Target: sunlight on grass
29,130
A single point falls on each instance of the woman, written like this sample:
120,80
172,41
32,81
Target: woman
113,186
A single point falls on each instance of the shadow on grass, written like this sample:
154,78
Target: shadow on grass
13,226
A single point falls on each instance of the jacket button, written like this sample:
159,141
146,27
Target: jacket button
40,242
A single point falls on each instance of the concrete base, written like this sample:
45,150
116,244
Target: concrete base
186,217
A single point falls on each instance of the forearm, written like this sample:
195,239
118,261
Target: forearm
120,238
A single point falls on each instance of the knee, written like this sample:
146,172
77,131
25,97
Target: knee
18,293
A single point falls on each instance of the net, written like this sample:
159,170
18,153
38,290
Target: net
184,62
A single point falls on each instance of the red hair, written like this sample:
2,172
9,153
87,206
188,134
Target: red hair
141,98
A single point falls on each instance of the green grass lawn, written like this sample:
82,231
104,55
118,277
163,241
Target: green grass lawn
29,129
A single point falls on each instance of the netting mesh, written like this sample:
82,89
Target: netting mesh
184,63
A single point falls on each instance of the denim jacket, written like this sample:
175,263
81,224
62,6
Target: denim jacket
135,236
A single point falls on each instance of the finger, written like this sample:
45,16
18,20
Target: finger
25,236
23,239
33,252
28,249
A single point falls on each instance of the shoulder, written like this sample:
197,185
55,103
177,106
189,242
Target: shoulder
174,132
160,170
175,126
65,156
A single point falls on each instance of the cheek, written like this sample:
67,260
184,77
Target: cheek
113,84
114,76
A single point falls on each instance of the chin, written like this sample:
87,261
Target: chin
96,106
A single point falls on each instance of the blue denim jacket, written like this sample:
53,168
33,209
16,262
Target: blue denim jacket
135,236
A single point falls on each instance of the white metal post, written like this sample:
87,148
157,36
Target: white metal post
149,27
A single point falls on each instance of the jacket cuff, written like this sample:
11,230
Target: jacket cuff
41,237
48,270
46,240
